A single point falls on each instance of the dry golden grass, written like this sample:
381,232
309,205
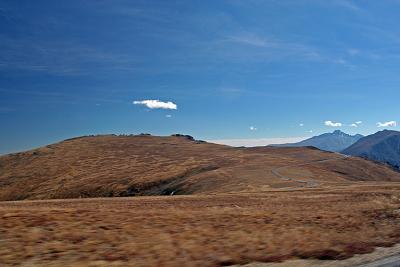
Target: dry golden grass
106,166
231,205
200,230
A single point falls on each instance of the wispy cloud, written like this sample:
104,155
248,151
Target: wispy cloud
63,58
251,39
386,124
333,124
230,92
340,61
252,128
156,104
261,47
168,116
353,51
58,96
355,124
347,4
139,13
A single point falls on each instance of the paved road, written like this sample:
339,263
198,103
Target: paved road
393,261
306,183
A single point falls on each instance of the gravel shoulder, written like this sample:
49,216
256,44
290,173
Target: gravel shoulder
381,257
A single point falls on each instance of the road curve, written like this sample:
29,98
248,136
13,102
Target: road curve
308,183
392,261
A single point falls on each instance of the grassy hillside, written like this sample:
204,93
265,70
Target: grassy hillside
106,166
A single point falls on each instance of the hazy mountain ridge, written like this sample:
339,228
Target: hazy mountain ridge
383,146
334,142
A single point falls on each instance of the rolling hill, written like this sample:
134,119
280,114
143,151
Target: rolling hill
335,141
383,146
109,165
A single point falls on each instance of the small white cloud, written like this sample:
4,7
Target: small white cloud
355,124
310,131
301,124
387,124
168,115
252,128
333,124
154,104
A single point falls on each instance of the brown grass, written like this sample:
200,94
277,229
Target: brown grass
105,166
232,208
199,230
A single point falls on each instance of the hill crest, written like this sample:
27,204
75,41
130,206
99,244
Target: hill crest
110,165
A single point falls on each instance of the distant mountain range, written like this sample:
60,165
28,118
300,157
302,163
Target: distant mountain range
383,146
335,142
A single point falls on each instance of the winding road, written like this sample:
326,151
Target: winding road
306,183
393,261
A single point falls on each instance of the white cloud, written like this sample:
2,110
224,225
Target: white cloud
310,131
333,124
355,124
387,124
168,115
301,124
258,142
153,104
252,128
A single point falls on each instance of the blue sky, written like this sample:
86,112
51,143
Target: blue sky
71,68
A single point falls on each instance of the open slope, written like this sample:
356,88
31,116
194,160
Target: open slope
242,205
104,166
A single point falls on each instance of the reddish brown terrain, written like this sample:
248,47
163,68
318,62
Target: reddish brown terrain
191,204
200,230
106,166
